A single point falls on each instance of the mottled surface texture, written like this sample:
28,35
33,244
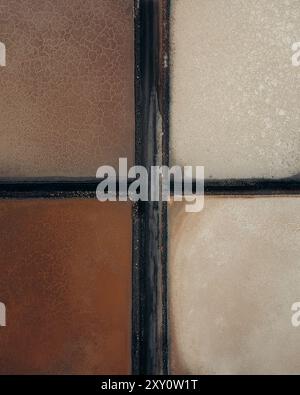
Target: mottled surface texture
235,94
234,275
66,282
66,93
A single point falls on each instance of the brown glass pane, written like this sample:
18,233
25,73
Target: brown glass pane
66,283
67,91
234,277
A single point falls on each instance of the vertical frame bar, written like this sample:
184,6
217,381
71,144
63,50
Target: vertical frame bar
150,332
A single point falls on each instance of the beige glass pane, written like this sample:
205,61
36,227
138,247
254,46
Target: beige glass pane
234,91
67,89
234,276
65,280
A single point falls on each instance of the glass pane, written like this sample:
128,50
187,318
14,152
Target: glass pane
235,92
67,90
66,284
234,277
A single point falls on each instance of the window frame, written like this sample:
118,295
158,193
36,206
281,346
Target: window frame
149,219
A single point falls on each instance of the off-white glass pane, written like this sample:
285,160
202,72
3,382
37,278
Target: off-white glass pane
234,92
234,275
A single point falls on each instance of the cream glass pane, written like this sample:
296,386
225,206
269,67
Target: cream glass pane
234,92
234,276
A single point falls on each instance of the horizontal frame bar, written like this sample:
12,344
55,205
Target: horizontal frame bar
86,188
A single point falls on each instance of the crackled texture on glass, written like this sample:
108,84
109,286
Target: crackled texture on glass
234,275
66,283
235,93
67,91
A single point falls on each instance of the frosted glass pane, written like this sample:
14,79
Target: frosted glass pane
67,89
234,92
234,276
